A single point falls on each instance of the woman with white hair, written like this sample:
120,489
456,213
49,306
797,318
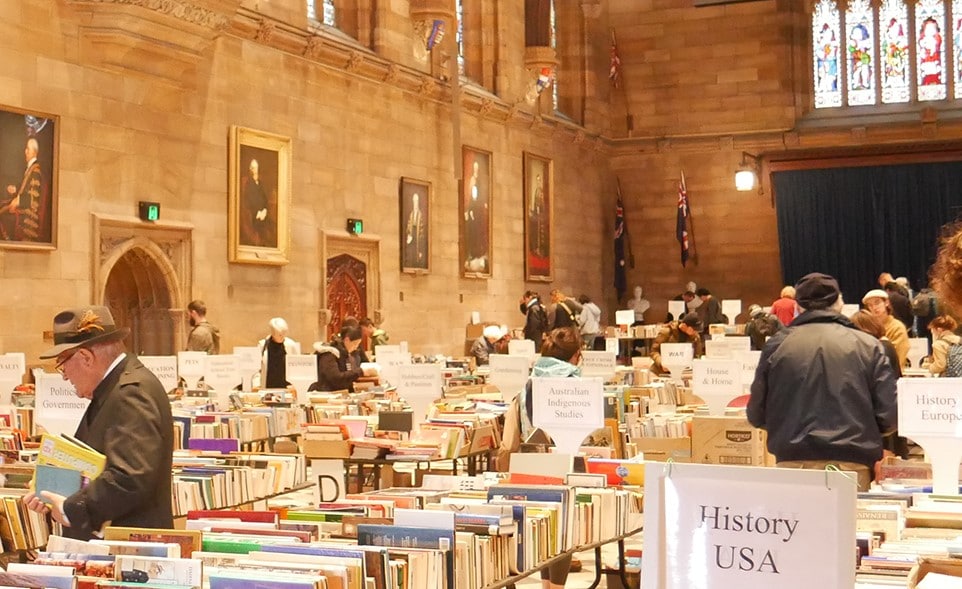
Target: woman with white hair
484,345
274,350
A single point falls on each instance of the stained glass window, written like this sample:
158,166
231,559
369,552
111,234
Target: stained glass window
930,58
870,52
957,45
459,7
327,11
554,45
825,35
893,28
860,52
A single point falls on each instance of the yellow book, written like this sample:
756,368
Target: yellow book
59,451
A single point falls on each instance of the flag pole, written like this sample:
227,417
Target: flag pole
629,256
629,119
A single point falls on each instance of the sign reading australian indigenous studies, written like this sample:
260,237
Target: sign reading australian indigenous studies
568,409
709,526
930,412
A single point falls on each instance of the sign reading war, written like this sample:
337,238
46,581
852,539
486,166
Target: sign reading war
710,526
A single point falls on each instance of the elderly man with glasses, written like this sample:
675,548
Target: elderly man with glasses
128,420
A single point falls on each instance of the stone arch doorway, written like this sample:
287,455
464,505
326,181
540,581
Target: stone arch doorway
351,271
143,278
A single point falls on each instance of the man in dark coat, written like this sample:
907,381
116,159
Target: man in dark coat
128,420
535,318
823,389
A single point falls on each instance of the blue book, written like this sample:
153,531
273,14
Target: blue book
62,481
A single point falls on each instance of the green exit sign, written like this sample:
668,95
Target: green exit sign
355,226
149,211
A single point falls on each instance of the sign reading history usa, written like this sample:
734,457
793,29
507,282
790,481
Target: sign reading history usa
709,526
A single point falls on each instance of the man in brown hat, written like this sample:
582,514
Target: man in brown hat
824,390
128,420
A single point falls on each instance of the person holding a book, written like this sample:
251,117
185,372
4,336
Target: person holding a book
128,421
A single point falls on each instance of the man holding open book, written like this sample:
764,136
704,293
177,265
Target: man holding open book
128,421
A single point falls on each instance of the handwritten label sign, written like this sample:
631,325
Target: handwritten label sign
918,350
568,409
191,366
731,308
599,363
419,385
390,360
734,526
930,412
737,343
508,373
522,347
164,368
625,317
222,377
58,408
676,357
749,363
248,363
717,348
301,372
717,382
329,475
611,345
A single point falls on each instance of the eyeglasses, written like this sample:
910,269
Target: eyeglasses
61,365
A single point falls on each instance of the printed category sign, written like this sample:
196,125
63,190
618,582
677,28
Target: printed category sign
164,368
709,526
918,350
222,378
248,364
58,408
568,409
676,309
598,363
301,372
749,364
717,382
419,385
390,361
191,366
12,367
930,412
731,309
508,373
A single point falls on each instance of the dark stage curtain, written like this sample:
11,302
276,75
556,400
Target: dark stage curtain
854,223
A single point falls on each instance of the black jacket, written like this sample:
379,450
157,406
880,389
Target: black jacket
824,391
535,322
901,308
563,314
336,368
129,421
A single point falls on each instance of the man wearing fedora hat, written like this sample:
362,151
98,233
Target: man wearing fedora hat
128,420
824,390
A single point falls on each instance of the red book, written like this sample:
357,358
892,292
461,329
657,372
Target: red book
267,517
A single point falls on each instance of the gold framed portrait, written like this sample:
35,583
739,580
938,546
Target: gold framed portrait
476,211
538,218
29,162
415,231
259,197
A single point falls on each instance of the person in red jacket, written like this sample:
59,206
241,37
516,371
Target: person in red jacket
784,307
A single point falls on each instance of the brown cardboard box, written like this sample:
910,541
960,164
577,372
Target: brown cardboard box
326,448
473,331
945,566
726,440
661,449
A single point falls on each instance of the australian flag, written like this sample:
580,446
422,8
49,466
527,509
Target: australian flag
681,223
621,236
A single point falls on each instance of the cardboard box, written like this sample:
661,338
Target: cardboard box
661,449
727,440
945,566
326,448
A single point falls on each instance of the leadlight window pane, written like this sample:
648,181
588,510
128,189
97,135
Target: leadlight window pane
860,52
894,27
825,35
459,7
929,25
957,45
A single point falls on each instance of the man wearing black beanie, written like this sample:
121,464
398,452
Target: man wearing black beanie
824,390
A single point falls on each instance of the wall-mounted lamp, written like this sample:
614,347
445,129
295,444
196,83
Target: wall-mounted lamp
747,176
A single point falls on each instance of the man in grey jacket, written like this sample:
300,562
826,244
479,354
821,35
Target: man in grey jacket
824,390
